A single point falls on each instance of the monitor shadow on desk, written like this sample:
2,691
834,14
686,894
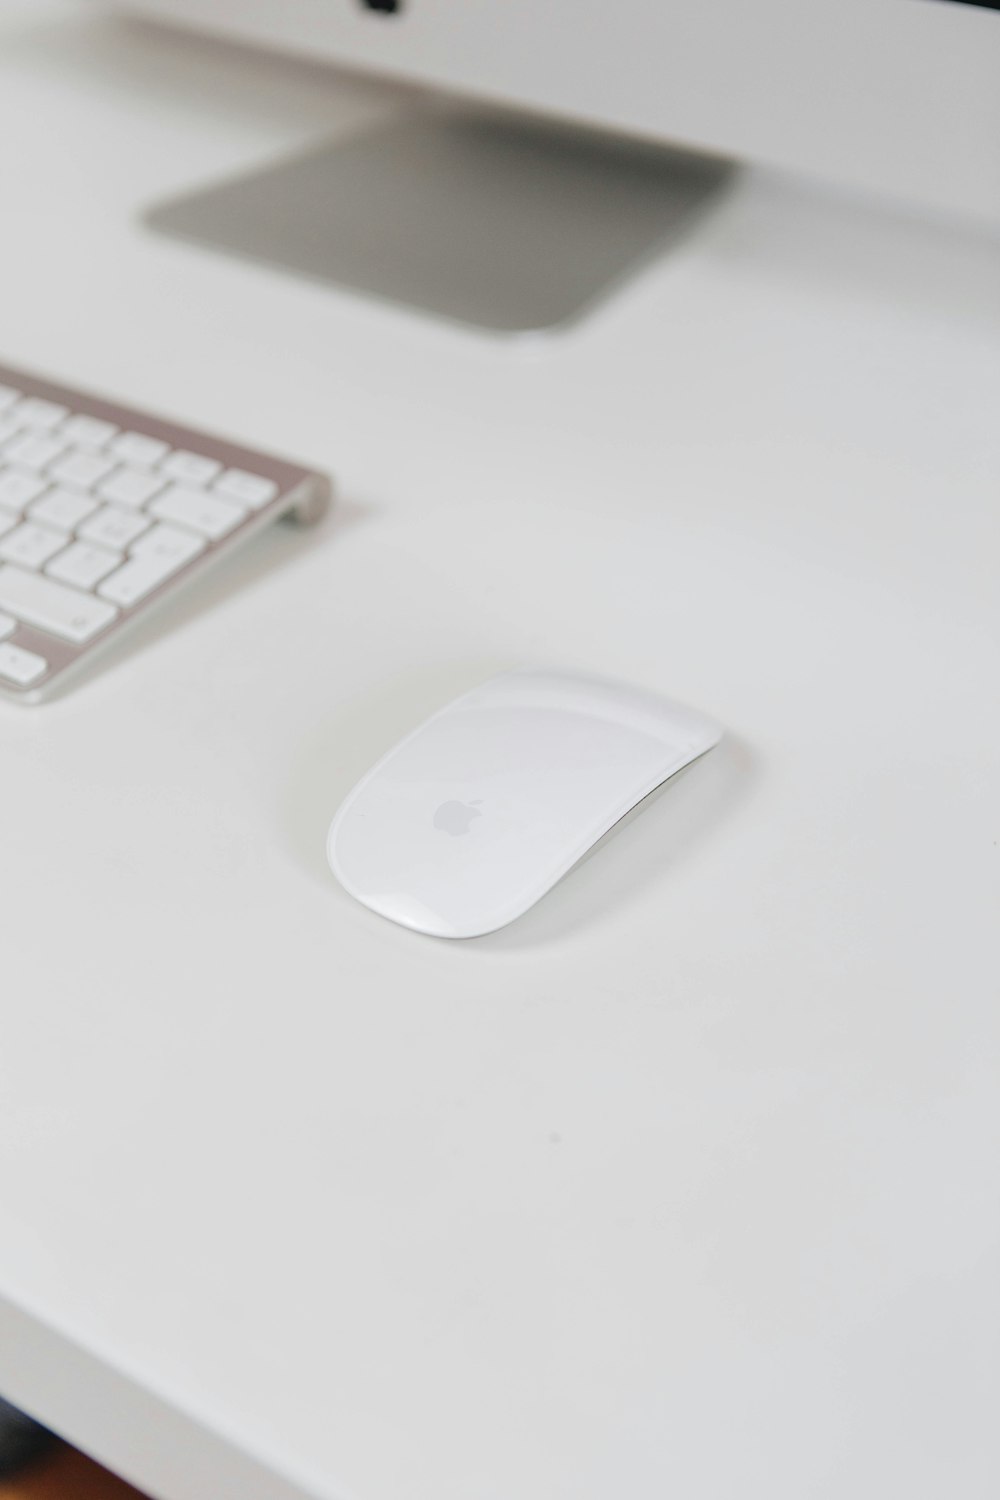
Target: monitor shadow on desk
484,220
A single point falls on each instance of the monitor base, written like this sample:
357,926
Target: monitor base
487,220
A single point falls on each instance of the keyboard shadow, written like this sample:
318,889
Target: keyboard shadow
259,557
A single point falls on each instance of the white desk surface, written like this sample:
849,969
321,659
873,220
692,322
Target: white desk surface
684,1185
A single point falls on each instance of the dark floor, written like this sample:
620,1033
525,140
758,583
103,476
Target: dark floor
64,1474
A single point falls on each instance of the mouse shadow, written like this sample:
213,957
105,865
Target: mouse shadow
643,850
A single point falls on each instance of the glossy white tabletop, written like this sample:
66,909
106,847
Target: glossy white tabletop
684,1184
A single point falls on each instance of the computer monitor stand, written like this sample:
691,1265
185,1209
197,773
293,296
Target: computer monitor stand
489,220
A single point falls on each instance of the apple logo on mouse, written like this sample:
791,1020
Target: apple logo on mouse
456,817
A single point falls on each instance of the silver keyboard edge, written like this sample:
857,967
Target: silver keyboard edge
306,502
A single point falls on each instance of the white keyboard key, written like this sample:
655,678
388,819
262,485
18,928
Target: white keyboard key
52,606
82,468
20,666
88,432
201,511
32,450
84,565
131,487
169,543
32,545
18,489
64,509
247,489
101,515
189,468
139,577
114,528
137,448
34,412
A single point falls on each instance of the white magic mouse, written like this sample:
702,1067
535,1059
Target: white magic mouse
477,813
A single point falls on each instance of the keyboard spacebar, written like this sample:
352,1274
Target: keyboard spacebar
52,606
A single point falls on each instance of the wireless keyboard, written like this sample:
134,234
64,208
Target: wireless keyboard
104,513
